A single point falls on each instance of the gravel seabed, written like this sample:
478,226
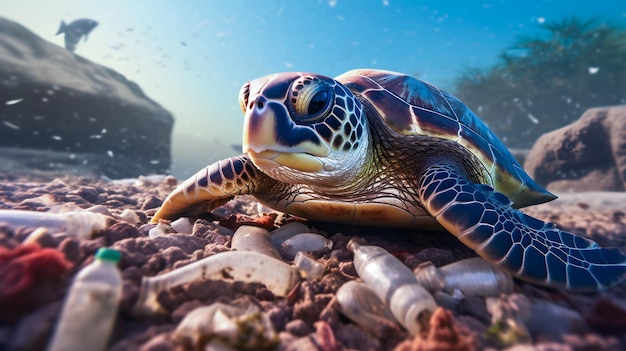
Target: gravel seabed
307,318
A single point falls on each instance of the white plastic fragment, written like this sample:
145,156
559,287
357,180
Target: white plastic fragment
472,276
287,231
360,303
246,266
81,225
394,284
252,238
235,327
304,242
130,216
182,225
155,232
310,268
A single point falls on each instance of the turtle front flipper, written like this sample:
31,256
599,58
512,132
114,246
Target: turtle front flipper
528,248
212,187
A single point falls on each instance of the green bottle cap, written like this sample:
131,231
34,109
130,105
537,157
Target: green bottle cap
106,254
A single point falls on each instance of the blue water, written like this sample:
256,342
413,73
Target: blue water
193,56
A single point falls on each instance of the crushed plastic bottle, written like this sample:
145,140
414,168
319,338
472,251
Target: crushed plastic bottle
394,284
79,224
304,242
247,266
309,267
91,306
241,328
252,238
472,276
360,303
278,236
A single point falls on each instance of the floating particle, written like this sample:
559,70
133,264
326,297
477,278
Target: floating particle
11,125
593,70
532,118
57,137
541,19
110,153
154,162
13,102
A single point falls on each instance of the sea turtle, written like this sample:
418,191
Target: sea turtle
381,148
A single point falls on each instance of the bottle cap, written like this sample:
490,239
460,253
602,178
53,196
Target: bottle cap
107,254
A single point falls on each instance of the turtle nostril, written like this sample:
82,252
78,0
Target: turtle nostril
260,104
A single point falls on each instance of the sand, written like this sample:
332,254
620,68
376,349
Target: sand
308,318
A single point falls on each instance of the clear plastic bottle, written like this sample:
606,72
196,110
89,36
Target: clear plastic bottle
394,284
91,305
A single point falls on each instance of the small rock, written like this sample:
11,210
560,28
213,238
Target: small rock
151,202
34,331
120,231
298,327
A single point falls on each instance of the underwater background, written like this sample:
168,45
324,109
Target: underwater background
192,57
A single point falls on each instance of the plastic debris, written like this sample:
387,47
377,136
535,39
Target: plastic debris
516,318
360,303
246,266
472,276
285,232
182,225
252,238
90,308
304,242
310,268
394,284
229,326
130,216
81,225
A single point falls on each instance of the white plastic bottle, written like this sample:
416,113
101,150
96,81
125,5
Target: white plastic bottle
394,284
91,306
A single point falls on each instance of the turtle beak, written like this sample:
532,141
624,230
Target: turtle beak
270,137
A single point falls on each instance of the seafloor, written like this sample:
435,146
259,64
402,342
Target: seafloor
33,282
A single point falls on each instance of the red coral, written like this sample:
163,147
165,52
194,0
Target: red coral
443,335
23,270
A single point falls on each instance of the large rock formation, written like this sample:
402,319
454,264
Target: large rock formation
589,154
54,100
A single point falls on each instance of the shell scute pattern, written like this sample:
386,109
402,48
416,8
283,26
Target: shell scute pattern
435,113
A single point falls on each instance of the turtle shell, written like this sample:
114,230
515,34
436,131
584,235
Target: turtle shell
413,107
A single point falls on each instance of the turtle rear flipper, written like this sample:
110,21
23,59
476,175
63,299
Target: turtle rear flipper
530,249
212,187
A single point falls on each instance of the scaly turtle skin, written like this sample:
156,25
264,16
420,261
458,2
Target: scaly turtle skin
381,148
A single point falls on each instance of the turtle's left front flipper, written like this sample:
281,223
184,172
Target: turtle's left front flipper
212,187
530,249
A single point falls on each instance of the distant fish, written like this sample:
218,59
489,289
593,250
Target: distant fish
75,30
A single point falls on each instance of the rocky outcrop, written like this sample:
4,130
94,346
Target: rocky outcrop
589,154
54,100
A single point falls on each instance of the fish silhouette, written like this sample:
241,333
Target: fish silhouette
75,30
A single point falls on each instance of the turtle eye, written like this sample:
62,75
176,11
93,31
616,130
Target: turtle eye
311,99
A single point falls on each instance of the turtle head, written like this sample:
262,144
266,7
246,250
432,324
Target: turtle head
302,127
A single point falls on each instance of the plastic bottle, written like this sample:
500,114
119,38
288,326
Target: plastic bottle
81,224
394,284
472,276
247,266
91,305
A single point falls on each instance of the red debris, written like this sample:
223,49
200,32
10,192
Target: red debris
23,270
443,335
